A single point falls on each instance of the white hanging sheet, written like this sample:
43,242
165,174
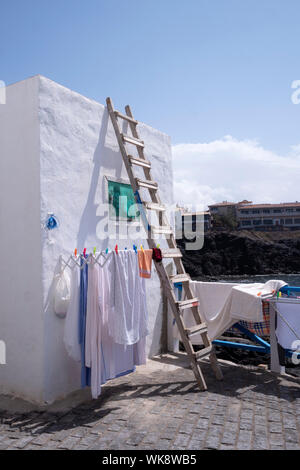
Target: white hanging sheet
223,304
128,321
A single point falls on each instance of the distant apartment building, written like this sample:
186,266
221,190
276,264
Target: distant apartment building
226,208
269,216
190,222
248,216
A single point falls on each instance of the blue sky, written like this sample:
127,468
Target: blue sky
198,70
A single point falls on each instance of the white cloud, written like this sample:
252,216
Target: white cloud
233,170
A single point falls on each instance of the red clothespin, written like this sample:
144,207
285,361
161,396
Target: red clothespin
116,249
75,252
84,252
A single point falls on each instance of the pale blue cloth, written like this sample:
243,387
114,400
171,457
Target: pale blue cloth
85,371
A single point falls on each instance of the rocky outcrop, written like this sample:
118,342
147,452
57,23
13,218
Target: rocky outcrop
244,253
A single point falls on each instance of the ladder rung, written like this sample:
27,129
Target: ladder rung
132,140
164,229
146,184
139,161
152,206
180,278
183,304
203,352
127,118
172,254
202,328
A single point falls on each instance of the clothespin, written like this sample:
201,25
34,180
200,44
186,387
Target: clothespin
75,252
142,248
94,251
116,249
84,252
125,248
157,246
106,251
135,249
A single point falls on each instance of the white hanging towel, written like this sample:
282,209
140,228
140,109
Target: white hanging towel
128,323
93,329
71,334
117,359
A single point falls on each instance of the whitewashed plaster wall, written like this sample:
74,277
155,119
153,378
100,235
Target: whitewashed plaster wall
21,289
75,152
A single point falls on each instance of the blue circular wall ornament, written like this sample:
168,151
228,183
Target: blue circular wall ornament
51,222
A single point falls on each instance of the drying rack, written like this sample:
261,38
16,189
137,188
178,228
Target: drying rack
82,260
261,345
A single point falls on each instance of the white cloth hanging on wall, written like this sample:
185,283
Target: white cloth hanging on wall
62,294
117,358
129,311
71,333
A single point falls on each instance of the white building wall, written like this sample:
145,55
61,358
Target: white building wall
21,291
78,152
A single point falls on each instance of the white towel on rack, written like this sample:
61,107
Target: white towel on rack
129,316
71,335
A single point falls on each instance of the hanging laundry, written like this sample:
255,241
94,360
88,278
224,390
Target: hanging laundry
117,359
145,263
129,314
93,329
157,255
89,333
71,323
85,371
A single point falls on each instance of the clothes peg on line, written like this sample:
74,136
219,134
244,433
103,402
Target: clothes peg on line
94,251
106,251
116,249
135,248
142,248
84,252
75,252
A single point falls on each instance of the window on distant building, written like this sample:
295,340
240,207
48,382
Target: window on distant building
297,221
268,222
256,222
246,222
276,211
245,212
121,202
266,211
288,221
255,211
289,209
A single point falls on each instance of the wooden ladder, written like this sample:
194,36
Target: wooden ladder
174,253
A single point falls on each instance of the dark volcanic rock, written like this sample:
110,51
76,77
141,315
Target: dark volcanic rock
243,253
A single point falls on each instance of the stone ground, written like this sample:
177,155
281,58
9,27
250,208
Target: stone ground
160,407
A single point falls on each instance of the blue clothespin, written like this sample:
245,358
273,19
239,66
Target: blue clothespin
106,251
135,249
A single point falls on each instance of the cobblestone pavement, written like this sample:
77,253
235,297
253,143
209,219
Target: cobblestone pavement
160,407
